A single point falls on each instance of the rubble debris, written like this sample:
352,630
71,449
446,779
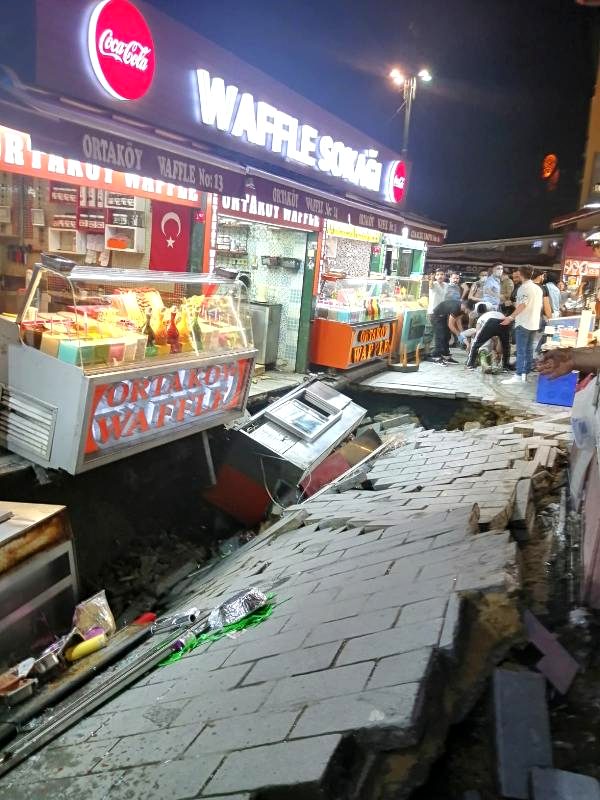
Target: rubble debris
558,666
556,784
522,727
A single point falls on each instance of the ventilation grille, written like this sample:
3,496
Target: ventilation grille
26,424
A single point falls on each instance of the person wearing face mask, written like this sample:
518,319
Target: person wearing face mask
492,288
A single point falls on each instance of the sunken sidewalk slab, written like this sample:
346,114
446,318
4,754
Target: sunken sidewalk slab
379,608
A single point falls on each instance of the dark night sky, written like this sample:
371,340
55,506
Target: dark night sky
513,81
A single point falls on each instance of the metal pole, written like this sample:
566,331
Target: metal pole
410,88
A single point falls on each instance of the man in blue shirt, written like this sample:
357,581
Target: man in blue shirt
491,288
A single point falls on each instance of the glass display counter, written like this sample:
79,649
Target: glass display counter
102,363
358,320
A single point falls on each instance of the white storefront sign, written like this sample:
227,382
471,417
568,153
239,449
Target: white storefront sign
226,108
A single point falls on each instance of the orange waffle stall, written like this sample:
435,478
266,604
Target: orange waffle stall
356,321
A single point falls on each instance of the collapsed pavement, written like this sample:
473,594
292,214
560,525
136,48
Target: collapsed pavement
393,605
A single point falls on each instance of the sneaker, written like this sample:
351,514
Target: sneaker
523,377
514,380
470,367
437,359
450,360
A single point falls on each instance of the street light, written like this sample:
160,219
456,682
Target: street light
409,88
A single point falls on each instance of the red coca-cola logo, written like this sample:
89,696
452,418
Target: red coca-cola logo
397,182
121,49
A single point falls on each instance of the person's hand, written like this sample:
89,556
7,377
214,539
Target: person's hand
554,363
506,321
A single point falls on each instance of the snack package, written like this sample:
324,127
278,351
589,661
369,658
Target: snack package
94,613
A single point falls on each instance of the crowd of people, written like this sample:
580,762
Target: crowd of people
486,316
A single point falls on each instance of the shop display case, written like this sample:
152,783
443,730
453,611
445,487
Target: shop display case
356,320
102,363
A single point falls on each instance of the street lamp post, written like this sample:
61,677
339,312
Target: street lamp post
409,89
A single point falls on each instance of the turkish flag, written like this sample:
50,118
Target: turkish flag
170,242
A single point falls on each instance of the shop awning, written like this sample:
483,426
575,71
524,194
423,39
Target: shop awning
574,216
87,133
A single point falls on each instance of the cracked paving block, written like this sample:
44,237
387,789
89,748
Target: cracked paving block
175,780
63,762
160,745
400,639
381,718
94,787
449,637
522,729
297,691
288,765
298,662
556,784
139,720
353,626
233,703
411,667
251,730
280,643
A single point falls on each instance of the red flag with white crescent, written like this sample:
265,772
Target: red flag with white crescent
170,242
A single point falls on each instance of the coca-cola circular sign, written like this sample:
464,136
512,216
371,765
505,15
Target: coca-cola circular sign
121,49
397,182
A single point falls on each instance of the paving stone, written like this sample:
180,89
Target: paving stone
289,765
251,730
297,691
307,659
281,643
139,696
175,780
149,747
424,610
353,626
522,729
235,702
63,762
139,720
449,637
81,732
556,784
409,667
392,592
383,718
387,643
95,786
197,682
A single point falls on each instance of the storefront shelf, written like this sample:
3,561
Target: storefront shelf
130,227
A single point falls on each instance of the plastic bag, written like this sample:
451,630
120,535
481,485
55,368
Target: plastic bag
583,416
94,613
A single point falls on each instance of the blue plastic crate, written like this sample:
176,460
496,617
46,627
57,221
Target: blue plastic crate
557,391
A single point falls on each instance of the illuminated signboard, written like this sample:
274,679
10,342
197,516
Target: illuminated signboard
369,343
121,49
238,113
126,412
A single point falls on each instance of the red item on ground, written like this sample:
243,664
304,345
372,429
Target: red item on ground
145,619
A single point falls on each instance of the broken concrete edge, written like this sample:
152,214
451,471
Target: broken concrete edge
490,626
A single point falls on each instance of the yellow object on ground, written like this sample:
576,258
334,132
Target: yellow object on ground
86,648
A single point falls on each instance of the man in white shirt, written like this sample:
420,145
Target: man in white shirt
526,317
437,290
489,325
